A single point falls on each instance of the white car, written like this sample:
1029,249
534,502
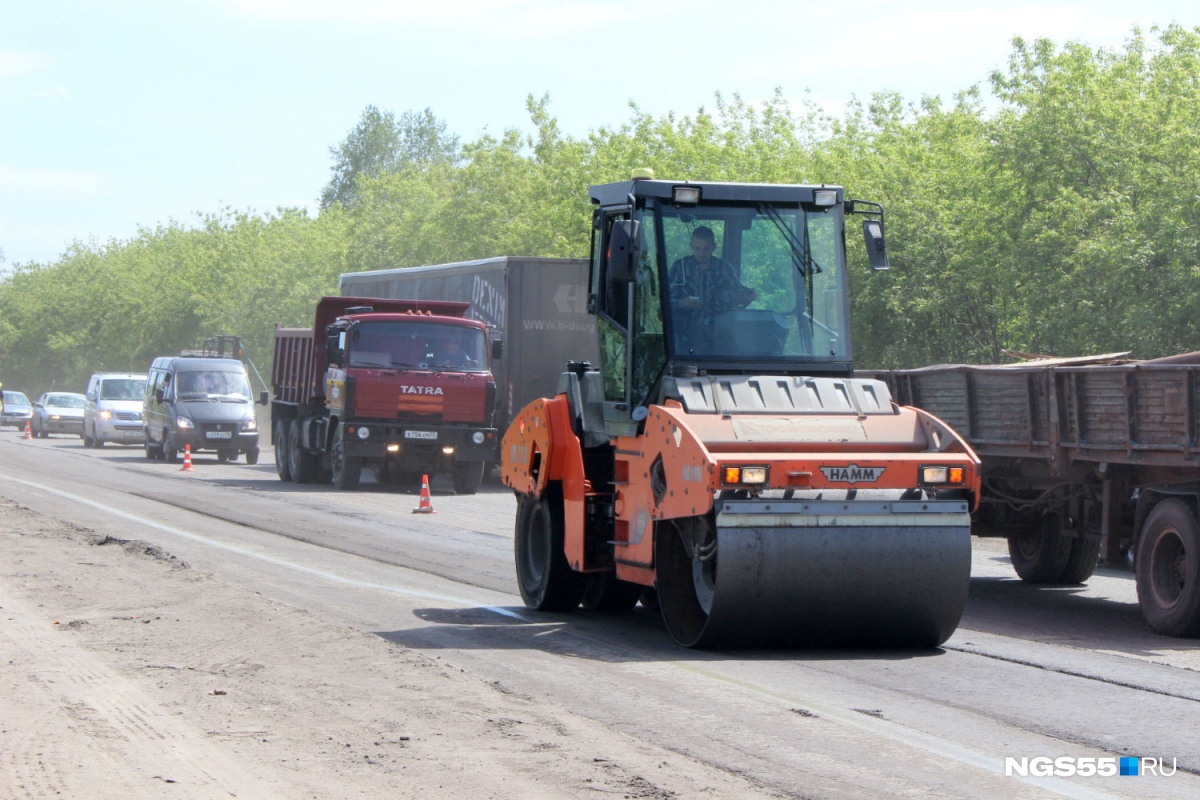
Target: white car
57,412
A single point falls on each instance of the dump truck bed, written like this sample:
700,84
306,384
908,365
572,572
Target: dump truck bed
1145,413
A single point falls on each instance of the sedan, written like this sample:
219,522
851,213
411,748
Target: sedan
58,412
17,410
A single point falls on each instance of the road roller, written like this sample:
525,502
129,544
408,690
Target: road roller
723,463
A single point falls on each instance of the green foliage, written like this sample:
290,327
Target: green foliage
1059,216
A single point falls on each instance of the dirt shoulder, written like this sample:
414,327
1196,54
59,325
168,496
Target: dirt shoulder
128,674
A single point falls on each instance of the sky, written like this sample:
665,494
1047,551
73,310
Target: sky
119,115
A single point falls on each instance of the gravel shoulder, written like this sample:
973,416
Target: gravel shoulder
128,674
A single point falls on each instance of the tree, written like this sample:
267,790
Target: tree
379,146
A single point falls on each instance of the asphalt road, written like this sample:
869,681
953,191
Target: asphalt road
1068,673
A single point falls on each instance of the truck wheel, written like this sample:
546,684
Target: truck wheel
1039,554
546,580
252,457
1168,570
1082,560
346,469
282,468
604,592
301,464
468,475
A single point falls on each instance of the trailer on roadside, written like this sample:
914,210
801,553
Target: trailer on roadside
536,306
1084,460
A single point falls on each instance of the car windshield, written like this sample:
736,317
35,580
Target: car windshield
123,389
213,385
15,399
65,400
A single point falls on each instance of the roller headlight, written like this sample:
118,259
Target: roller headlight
363,433
477,437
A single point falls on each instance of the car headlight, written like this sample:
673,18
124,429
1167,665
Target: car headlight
183,423
105,415
249,424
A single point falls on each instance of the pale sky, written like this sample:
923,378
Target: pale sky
120,114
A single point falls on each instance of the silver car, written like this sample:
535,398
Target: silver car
17,410
57,412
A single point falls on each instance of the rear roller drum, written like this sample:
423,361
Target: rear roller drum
546,580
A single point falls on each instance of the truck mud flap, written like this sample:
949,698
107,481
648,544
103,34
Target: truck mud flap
815,573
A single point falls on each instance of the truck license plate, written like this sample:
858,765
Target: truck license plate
218,435
420,434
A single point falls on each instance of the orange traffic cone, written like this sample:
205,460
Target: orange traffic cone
426,507
28,433
187,459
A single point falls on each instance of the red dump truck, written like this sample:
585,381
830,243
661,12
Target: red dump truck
403,387
1084,459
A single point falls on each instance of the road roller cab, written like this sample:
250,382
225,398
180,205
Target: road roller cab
721,459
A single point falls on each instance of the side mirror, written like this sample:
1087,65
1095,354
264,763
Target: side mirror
158,395
497,349
263,398
623,245
91,396
333,348
876,245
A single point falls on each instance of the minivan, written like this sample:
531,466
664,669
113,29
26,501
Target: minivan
112,411
203,404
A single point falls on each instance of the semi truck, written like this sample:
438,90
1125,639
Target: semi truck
536,306
1084,460
719,459
403,387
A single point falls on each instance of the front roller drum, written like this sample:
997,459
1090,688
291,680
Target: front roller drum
810,580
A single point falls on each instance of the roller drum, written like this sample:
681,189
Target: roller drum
816,574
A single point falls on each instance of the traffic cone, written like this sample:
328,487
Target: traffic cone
28,433
426,507
187,459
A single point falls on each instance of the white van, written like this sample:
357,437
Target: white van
113,411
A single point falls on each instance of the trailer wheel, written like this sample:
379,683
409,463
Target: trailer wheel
1081,563
346,469
1168,570
302,465
468,476
1040,554
546,580
282,468
604,592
